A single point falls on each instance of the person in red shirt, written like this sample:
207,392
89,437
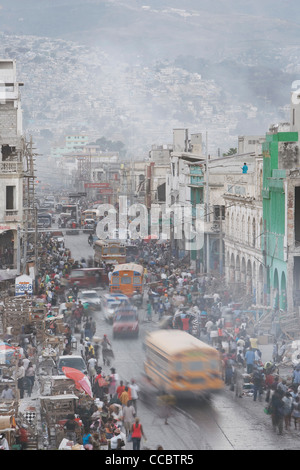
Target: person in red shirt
120,389
23,437
137,433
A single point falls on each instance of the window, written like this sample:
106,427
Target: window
114,250
10,197
7,151
217,211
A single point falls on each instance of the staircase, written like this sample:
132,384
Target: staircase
290,325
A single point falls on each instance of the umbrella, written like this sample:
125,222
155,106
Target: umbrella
6,351
81,380
4,346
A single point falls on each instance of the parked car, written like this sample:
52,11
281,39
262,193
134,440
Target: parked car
76,362
90,297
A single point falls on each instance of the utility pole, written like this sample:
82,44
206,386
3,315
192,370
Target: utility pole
18,250
220,242
207,205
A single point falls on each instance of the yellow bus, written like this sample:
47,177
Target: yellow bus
109,251
127,278
177,363
90,214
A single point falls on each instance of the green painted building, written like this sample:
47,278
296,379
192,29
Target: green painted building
280,159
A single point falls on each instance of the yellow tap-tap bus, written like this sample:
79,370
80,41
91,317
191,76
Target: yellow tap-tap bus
180,364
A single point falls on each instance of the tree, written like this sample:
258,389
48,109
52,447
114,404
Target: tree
231,151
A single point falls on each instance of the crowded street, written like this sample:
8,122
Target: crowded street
149,229
216,423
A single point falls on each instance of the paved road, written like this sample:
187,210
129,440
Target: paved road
226,423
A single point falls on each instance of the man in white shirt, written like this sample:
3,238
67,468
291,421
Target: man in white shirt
118,435
92,363
134,393
20,374
7,393
25,362
128,417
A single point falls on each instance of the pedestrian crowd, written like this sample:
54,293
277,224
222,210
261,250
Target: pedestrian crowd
179,298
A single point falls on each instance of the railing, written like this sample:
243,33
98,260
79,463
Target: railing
11,167
11,215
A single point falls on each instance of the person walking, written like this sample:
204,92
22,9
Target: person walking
277,407
250,358
106,347
128,417
92,364
30,374
134,393
258,380
296,376
137,433
238,380
113,382
287,409
124,397
296,411
149,311
20,374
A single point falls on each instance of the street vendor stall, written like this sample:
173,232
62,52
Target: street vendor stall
53,409
8,427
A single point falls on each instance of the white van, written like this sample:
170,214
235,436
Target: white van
76,362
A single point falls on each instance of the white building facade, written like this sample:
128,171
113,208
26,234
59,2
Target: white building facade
244,263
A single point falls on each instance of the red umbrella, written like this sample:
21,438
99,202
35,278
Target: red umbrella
81,380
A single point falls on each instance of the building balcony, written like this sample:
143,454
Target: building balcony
11,168
11,215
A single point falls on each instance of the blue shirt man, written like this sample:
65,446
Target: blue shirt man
250,358
245,168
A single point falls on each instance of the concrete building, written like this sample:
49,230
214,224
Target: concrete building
182,186
281,183
11,163
243,230
250,143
